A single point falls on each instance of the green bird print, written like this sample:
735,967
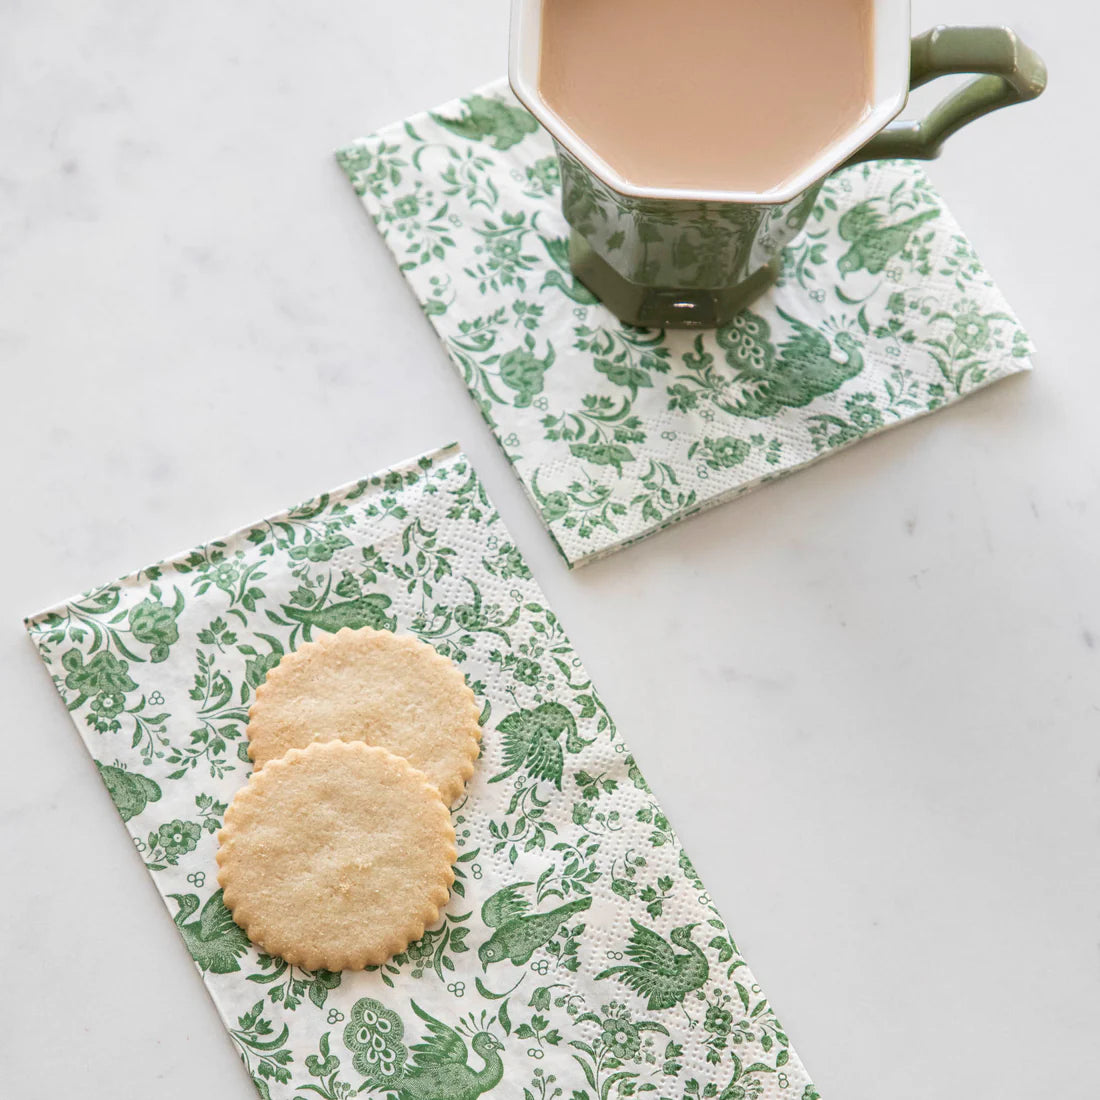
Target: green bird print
802,369
873,243
365,611
531,740
214,940
518,934
438,1070
557,248
130,791
659,973
492,119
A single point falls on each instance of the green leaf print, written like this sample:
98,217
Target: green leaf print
288,985
264,1053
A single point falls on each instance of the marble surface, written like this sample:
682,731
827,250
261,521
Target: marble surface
891,658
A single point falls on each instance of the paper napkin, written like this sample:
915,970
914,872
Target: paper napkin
580,955
617,432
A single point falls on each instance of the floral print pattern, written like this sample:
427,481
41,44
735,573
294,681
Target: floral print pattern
563,852
882,313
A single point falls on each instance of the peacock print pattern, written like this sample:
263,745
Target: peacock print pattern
882,314
580,956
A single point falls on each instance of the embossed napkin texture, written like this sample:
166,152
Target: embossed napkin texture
580,955
883,313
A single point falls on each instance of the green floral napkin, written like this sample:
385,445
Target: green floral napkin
580,955
883,313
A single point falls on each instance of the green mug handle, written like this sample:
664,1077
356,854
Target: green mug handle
1013,73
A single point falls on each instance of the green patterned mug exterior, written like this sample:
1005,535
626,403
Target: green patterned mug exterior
667,258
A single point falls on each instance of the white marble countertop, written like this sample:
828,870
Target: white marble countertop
895,656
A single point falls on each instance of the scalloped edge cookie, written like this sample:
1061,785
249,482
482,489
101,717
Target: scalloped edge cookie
336,856
389,690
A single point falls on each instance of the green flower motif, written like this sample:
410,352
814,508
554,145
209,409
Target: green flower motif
470,617
225,575
718,1020
522,370
621,1038
504,249
554,506
154,624
545,174
623,374
726,452
321,550
971,329
603,454
527,671
108,704
508,563
103,674
177,838
862,412
408,206
419,949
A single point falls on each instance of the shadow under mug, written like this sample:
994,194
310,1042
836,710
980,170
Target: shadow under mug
663,261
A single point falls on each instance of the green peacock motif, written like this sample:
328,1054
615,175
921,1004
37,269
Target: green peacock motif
803,368
873,243
438,1070
214,940
518,934
660,974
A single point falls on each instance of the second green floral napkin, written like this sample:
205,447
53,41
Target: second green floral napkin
580,955
883,313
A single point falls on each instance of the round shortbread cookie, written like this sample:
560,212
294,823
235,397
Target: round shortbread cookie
337,856
389,690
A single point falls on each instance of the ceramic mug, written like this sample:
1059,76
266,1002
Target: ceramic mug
672,257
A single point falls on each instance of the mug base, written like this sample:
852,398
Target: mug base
665,307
